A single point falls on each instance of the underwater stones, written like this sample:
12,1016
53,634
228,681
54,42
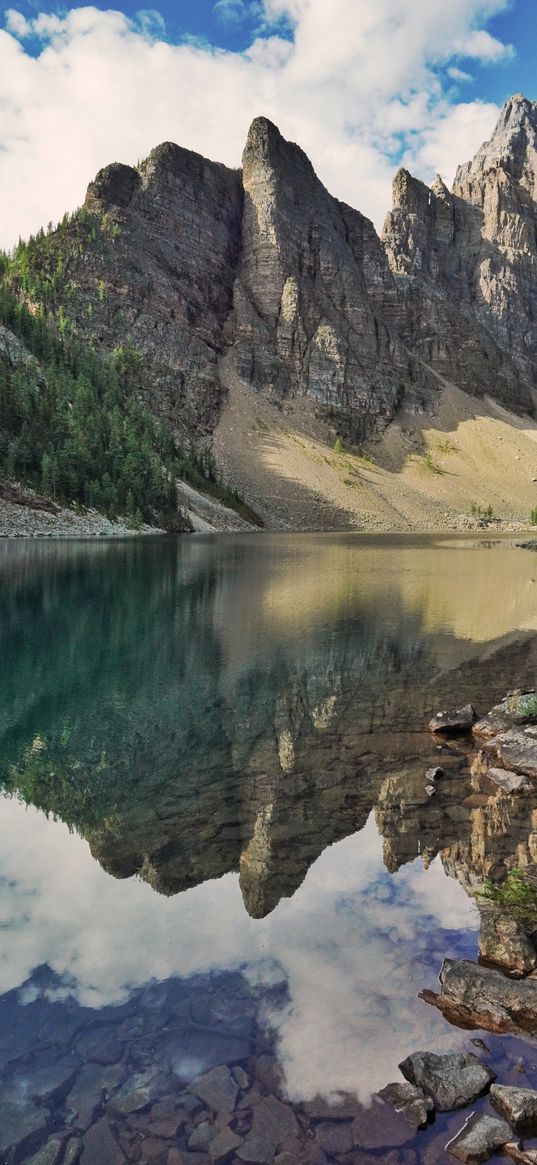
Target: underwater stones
410,1100
451,1081
334,1137
479,1138
454,721
136,1093
100,1146
217,1089
223,1145
516,1105
49,1154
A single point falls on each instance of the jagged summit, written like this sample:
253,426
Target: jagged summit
512,146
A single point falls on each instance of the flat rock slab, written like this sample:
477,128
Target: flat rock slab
480,997
501,781
516,750
19,1124
499,719
516,1105
410,1100
334,1137
49,1154
136,1093
218,1089
223,1145
451,1081
479,1139
453,720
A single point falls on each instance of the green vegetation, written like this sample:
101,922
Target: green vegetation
534,516
338,445
523,708
517,895
482,512
429,463
446,446
70,422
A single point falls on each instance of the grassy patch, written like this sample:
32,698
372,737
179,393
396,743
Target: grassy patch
523,708
517,895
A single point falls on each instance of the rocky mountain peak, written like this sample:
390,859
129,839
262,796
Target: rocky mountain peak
512,147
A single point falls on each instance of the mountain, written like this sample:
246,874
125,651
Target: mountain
264,313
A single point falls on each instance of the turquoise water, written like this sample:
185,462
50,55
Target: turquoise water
216,847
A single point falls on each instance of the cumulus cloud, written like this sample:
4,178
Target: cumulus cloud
359,85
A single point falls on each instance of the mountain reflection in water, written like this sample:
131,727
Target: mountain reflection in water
240,722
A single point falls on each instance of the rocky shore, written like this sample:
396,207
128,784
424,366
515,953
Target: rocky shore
498,993
23,514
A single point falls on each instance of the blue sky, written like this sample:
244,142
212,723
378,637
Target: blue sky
362,85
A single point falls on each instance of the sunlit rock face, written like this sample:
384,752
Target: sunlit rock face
315,303
466,262
189,262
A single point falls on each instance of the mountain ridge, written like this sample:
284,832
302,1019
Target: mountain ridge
261,279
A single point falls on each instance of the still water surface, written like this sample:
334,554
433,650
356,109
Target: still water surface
215,842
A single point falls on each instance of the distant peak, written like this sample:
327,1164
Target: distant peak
516,111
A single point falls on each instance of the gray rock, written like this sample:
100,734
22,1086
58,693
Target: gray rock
504,942
516,1105
202,1135
223,1145
100,1146
49,1154
480,997
410,1100
453,721
479,1139
274,1123
451,1081
20,1121
86,1096
242,1078
136,1093
334,1137
50,1083
218,1089
516,750
505,782
435,773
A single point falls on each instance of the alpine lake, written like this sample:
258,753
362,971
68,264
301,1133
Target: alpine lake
217,851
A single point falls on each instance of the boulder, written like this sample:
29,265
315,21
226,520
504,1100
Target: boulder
218,1089
516,1105
523,1156
516,750
501,781
480,997
20,1123
410,1100
451,1081
479,1139
504,943
455,721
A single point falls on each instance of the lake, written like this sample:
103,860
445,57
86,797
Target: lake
216,847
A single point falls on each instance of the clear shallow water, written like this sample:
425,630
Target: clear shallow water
215,839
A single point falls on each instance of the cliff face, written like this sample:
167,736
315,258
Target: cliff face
466,263
315,303
187,261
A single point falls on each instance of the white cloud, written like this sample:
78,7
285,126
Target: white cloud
358,83
353,945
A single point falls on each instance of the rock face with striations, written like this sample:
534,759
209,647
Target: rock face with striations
466,262
315,304
188,261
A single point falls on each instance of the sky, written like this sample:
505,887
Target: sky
362,85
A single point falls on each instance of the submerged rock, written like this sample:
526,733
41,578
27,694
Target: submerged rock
451,1081
218,1089
20,1122
504,942
410,1100
479,1138
517,1105
456,720
480,997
